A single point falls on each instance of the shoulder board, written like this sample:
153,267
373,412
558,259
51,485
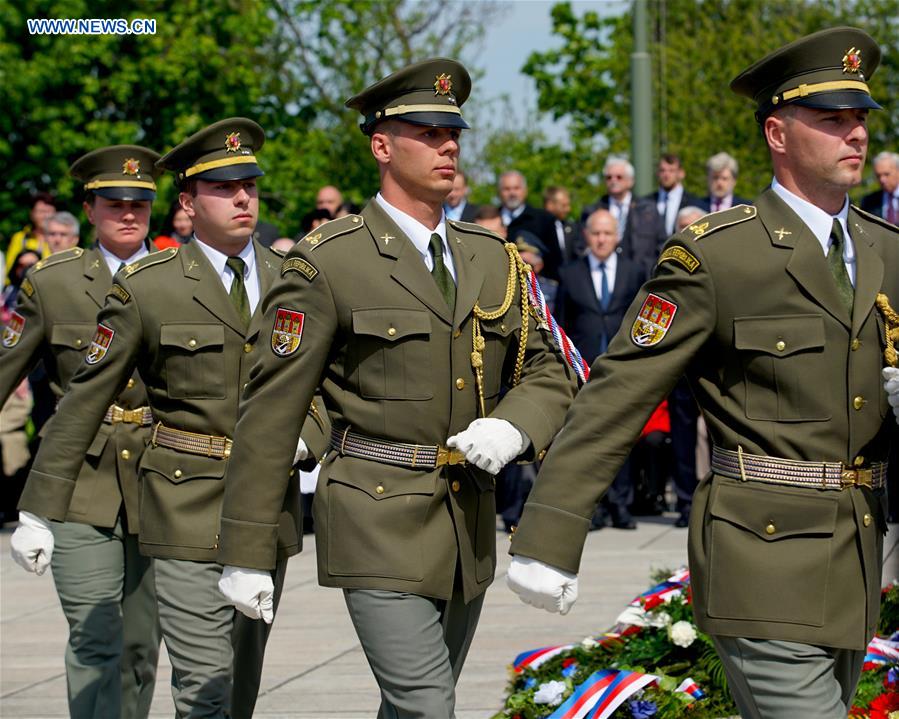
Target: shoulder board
707,224
476,229
154,258
58,258
875,219
329,230
277,253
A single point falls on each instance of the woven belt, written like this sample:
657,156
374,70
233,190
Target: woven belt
414,456
791,472
205,445
142,416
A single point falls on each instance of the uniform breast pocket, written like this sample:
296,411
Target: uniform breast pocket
391,354
499,350
74,337
785,372
194,356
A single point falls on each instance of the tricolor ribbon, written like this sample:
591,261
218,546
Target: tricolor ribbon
535,657
882,651
659,594
601,694
569,351
688,686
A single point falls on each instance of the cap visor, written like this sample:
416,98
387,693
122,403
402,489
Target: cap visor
229,172
843,100
434,119
125,193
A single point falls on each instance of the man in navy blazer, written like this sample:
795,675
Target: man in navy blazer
885,201
593,296
721,175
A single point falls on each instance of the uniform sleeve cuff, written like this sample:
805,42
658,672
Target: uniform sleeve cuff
248,544
552,536
47,495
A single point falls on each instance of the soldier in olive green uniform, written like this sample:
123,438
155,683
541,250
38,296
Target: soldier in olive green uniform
411,345
773,313
105,586
185,319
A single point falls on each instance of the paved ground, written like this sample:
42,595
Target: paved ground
314,666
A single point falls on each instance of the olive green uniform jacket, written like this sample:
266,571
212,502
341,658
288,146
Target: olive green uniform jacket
779,368
393,363
174,323
58,306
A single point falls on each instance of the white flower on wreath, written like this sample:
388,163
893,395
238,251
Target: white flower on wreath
659,619
589,643
550,693
683,634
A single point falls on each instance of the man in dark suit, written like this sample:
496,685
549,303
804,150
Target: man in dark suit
569,238
721,173
456,206
671,197
641,232
885,202
594,293
517,215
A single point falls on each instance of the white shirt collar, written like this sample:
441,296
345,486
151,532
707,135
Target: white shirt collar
218,259
419,235
113,262
611,262
817,220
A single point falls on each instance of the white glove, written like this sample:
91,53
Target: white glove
541,585
489,443
302,451
31,544
891,385
250,590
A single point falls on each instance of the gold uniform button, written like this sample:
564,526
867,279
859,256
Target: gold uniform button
455,485
291,473
770,529
856,343
130,383
356,220
78,342
391,331
457,334
858,461
859,402
178,473
191,342
460,383
380,489
541,454
867,519
247,348
781,346
125,454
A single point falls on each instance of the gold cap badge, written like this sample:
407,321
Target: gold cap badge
232,142
852,60
443,84
131,166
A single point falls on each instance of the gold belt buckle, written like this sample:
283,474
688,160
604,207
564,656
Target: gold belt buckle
132,416
856,477
115,415
446,455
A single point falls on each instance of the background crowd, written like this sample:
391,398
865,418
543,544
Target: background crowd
590,263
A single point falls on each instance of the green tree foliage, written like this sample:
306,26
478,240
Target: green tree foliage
65,95
290,64
698,46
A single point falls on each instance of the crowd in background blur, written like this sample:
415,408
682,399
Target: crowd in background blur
590,265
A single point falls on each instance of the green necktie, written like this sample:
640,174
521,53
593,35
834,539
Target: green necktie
238,292
440,274
838,267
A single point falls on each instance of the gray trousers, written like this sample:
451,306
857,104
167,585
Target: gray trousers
416,647
108,597
216,652
771,679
